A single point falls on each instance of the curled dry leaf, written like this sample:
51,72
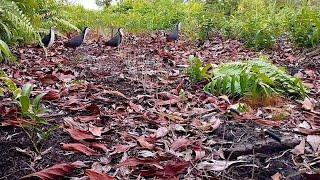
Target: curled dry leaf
121,148
51,95
144,143
85,119
94,109
100,146
136,107
180,143
276,176
115,93
314,141
307,104
161,132
171,169
216,165
79,135
96,131
55,172
94,175
78,147
133,162
299,149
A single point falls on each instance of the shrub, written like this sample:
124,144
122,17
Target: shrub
255,79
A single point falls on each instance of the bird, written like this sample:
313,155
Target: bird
174,35
49,39
77,40
116,40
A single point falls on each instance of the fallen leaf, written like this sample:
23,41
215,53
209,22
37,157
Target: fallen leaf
199,155
269,123
78,147
133,162
216,165
96,131
307,104
299,149
314,141
167,102
51,95
94,109
276,176
79,135
144,143
94,175
115,93
55,172
137,108
85,119
100,146
171,169
121,148
180,143
49,79
161,132
215,123
178,127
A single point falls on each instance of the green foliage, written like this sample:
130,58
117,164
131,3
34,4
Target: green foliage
17,26
5,53
29,108
196,71
255,79
261,22
305,26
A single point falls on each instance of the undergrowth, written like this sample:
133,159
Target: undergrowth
257,79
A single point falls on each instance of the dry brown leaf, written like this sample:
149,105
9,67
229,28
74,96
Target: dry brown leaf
55,172
299,149
133,162
51,95
161,132
115,93
307,104
314,141
216,165
96,131
144,143
79,135
94,175
100,146
78,147
180,143
276,176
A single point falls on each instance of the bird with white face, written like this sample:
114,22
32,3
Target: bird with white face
77,40
49,39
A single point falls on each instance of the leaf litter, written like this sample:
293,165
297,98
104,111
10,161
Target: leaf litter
123,110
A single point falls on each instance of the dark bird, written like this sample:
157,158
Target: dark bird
77,40
49,39
116,40
174,35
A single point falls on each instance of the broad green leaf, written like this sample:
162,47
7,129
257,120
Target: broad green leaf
5,49
36,103
25,103
26,90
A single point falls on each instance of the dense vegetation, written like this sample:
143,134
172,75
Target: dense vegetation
258,22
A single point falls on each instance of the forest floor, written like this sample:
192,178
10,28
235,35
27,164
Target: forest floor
118,113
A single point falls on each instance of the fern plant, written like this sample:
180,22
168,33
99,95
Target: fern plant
17,25
255,78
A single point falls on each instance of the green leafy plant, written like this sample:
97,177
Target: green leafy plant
30,108
5,53
255,79
196,71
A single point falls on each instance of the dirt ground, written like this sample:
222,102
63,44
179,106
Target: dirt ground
119,112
